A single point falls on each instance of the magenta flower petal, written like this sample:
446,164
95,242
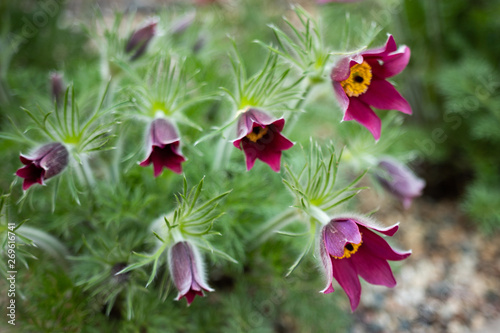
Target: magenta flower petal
341,97
338,234
383,95
373,269
390,65
271,158
342,68
163,147
32,175
389,47
247,120
362,113
379,246
259,136
46,162
345,273
327,265
388,231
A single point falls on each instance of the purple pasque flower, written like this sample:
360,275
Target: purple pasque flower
399,180
163,147
360,81
46,162
139,40
349,247
186,269
259,136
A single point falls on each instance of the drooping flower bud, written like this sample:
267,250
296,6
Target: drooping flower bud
46,162
139,40
399,180
163,147
349,247
57,87
259,136
186,269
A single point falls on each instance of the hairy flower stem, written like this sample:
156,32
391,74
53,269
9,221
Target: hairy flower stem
292,121
222,153
266,230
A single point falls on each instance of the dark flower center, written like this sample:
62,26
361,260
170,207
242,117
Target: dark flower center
359,80
349,250
257,133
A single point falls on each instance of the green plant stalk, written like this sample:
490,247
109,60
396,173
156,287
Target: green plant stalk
267,229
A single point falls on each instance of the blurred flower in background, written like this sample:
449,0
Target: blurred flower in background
57,87
139,40
399,180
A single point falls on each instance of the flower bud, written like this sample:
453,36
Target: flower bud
163,147
140,39
57,87
46,162
399,180
186,269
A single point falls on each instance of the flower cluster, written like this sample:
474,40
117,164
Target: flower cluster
349,246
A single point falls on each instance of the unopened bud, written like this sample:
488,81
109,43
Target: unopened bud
46,162
140,39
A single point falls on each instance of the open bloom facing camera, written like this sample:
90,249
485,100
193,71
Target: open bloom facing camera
186,269
46,162
259,136
360,81
349,247
163,147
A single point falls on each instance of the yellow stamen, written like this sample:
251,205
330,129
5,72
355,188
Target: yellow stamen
257,133
349,250
359,80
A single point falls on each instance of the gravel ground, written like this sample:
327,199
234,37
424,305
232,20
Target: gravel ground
450,283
